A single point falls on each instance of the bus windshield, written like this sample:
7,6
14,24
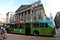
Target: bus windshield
49,22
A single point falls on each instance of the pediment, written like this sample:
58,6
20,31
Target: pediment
22,7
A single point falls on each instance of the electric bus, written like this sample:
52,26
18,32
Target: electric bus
40,27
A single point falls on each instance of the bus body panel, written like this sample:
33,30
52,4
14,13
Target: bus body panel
43,31
18,31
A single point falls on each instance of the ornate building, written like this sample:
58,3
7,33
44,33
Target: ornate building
32,12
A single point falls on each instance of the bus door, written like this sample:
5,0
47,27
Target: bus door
27,29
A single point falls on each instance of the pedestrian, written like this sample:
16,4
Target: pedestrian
4,33
0,30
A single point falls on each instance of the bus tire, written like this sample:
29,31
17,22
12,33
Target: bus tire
35,33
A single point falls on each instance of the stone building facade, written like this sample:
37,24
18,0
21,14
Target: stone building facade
32,12
57,20
9,17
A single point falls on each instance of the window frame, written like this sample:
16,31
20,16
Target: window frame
43,25
27,24
22,25
35,25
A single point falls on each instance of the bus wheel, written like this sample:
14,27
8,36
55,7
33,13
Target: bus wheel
35,33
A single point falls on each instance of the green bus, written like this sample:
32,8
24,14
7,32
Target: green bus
40,27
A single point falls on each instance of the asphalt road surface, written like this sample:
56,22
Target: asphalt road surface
25,37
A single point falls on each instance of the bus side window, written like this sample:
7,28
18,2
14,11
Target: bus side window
43,25
16,26
21,25
11,26
27,25
36,25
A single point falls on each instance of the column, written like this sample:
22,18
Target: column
23,15
20,16
31,15
37,11
27,15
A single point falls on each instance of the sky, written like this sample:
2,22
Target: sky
50,6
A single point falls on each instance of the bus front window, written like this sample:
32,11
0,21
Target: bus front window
43,25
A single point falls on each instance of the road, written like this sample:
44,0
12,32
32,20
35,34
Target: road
24,37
